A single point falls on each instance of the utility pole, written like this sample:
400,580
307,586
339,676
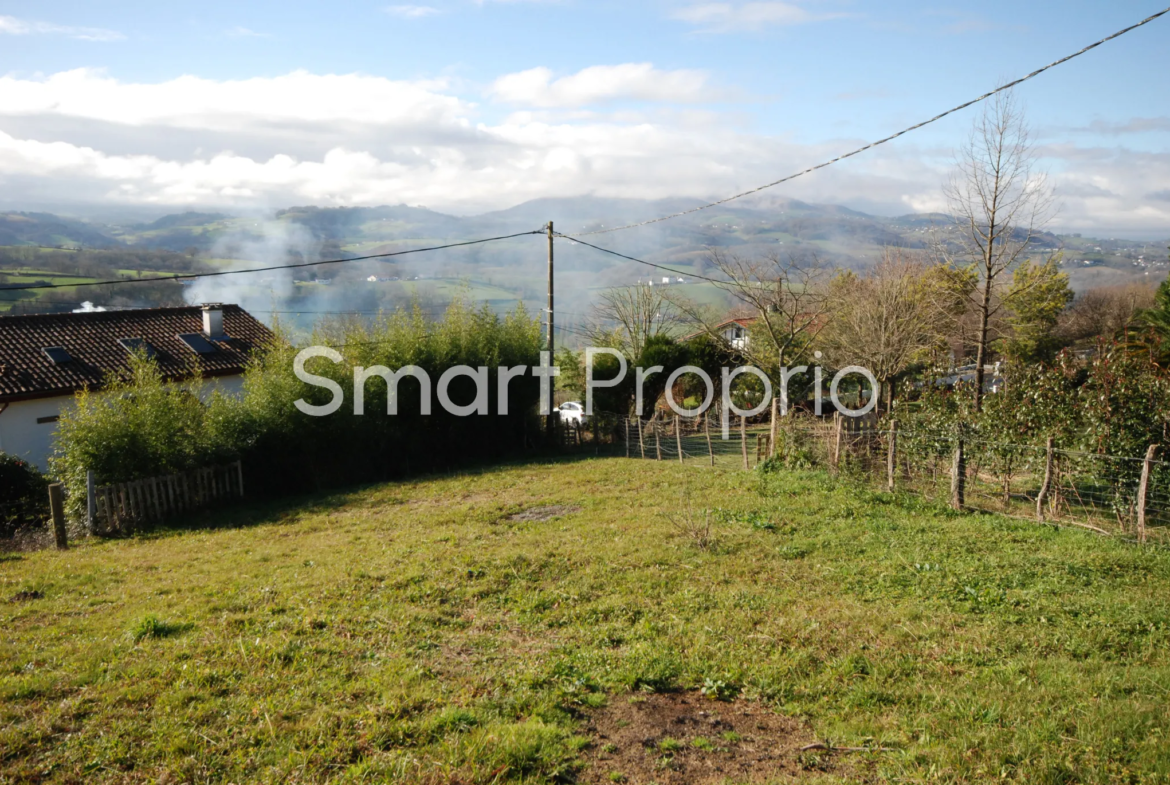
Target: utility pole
551,352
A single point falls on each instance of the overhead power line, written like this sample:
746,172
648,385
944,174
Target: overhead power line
577,238
890,138
218,273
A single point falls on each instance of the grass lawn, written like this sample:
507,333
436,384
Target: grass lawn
416,632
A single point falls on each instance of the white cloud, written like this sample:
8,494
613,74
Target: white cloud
356,139
601,83
205,104
412,11
10,25
728,17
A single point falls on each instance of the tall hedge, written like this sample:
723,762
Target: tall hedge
141,426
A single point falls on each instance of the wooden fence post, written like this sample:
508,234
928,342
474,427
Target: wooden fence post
57,509
90,502
627,437
759,448
678,437
892,456
657,442
641,441
958,474
1046,486
707,433
743,442
837,425
1143,492
775,425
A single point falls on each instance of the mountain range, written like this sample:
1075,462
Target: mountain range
836,235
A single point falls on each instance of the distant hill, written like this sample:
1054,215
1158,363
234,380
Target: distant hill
51,230
835,235
184,220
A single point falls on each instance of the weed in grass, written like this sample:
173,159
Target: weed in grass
701,743
756,519
719,690
152,626
692,524
811,761
669,745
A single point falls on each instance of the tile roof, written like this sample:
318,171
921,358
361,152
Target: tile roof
742,321
92,340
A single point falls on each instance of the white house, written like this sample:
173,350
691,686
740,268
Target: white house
46,358
733,331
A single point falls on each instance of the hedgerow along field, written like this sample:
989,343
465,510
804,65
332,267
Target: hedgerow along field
434,630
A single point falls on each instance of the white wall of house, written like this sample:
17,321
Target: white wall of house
23,436
27,428
736,335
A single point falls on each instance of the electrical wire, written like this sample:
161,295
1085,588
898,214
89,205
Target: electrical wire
890,138
192,276
576,238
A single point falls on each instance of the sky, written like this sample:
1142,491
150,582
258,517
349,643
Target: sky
467,106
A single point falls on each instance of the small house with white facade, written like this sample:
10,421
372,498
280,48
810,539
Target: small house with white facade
46,358
733,331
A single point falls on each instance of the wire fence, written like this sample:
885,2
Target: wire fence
1125,496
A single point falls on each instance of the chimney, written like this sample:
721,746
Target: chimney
213,321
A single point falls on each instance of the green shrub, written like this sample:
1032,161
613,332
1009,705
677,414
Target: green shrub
136,427
24,494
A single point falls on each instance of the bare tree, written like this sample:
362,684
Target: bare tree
785,298
634,314
1001,202
891,316
1107,311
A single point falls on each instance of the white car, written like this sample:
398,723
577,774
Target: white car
572,412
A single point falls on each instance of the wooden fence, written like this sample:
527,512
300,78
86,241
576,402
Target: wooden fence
122,507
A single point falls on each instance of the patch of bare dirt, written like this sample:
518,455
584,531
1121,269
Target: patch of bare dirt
544,513
26,596
688,739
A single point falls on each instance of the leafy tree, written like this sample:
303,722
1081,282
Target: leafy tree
1039,401
1158,317
1126,405
1038,295
572,378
